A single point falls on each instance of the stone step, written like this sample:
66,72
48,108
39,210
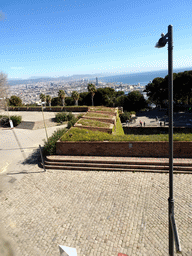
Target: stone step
83,168
117,160
116,166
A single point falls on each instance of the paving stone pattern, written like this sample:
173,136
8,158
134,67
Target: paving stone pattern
98,213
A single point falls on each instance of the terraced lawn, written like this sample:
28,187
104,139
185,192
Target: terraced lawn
93,123
90,114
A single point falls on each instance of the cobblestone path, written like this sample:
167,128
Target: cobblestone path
98,213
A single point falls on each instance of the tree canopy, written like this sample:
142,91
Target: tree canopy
135,101
157,91
15,101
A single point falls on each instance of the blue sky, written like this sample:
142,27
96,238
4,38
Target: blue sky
61,38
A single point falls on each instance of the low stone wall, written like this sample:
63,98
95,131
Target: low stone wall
155,130
129,149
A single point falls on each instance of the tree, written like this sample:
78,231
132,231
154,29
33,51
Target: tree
15,101
42,97
84,99
104,97
157,91
69,101
120,101
61,95
75,96
135,101
92,89
186,86
48,99
56,101
3,89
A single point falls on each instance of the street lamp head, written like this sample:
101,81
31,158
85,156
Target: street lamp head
162,41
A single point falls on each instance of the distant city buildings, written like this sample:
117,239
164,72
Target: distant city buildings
30,92
96,81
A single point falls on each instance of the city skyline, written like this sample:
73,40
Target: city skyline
42,39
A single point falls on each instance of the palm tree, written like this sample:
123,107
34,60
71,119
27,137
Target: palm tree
48,99
92,89
75,96
42,97
61,95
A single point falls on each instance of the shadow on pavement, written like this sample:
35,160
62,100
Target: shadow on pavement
32,159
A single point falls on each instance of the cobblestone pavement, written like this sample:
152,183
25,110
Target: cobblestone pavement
98,213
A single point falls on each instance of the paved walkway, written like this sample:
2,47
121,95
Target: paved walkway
98,213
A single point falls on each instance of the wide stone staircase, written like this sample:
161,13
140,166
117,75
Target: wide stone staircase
120,164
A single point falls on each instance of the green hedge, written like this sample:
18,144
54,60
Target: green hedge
50,145
72,122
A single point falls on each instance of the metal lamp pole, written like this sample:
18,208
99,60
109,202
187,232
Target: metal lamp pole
172,226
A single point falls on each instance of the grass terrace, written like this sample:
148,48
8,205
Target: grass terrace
93,123
99,115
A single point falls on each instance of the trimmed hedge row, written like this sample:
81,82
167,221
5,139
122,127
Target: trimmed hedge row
51,109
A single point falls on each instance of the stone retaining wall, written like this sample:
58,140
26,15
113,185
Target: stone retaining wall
134,149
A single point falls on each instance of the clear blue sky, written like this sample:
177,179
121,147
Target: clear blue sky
60,38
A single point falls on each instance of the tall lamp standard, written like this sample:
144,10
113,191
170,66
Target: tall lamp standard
172,226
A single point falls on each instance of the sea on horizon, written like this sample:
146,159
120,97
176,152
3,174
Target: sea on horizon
143,78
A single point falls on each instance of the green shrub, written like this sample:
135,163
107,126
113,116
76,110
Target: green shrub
72,122
80,116
5,120
61,117
70,116
16,120
126,116
50,145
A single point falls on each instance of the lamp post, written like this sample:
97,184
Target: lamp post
172,226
